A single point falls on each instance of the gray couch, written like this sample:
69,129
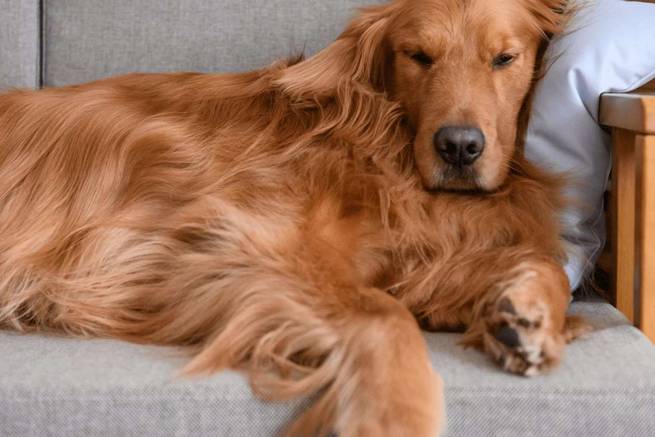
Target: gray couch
52,386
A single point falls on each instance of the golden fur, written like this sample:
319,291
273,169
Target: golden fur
295,222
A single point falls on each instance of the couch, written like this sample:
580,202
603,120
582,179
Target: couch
53,386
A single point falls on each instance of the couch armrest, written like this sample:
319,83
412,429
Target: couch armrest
632,119
631,111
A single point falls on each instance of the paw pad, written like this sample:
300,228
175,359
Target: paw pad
508,336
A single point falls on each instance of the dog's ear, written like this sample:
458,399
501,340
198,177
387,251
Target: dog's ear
550,15
357,56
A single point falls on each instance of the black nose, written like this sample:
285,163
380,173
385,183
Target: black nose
459,146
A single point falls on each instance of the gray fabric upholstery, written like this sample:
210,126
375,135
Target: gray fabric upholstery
19,44
62,387
90,39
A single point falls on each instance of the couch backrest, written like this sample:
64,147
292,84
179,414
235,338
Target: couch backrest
60,42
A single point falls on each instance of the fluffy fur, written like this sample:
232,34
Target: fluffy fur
295,222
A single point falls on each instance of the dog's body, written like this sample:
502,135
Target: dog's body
276,222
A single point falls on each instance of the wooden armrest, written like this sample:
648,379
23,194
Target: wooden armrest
632,119
633,111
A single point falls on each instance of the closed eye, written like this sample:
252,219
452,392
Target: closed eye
503,60
421,58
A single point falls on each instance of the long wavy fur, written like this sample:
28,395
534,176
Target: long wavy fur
226,212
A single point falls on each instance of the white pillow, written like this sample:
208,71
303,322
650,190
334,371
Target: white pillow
609,47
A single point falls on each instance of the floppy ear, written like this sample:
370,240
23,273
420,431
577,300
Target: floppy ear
358,55
550,15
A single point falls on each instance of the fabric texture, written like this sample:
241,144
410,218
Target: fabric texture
64,387
91,39
609,47
20,39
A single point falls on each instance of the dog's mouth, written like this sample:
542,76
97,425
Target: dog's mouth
456,179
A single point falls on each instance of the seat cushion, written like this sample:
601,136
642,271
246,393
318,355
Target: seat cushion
64,387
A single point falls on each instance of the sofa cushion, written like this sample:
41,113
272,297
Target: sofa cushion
90,39
64,387
20,39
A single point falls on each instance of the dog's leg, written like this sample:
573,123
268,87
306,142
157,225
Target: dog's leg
360,350
381,382
298,324
522,322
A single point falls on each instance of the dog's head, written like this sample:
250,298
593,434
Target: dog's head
460,69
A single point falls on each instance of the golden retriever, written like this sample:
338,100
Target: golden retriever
295,222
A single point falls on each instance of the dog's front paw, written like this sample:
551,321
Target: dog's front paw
522,333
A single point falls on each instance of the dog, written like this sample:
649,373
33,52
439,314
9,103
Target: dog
302,222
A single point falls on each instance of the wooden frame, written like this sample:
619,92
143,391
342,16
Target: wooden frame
632,119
